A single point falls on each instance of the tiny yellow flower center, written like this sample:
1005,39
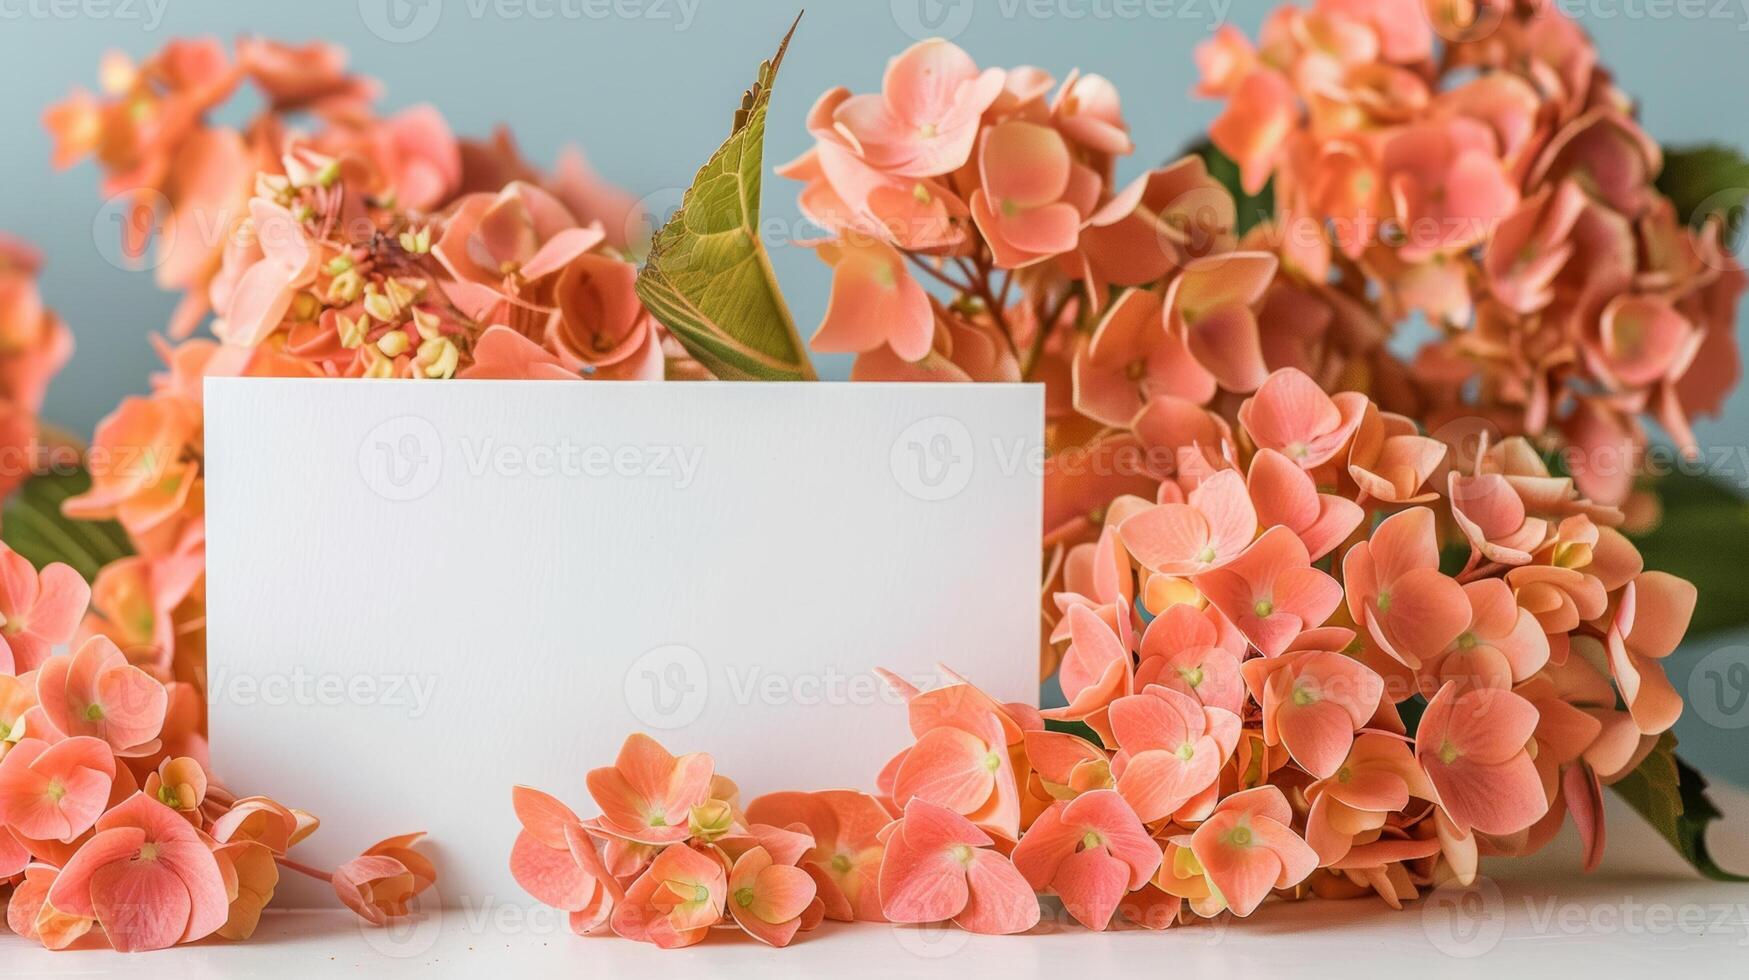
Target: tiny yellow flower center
94,712
701,894
1136,370
1305,695
841,863
1192,675
1384,602
1448,753
928,130
1186,752
1344,774
992,762
1263,608
744,897
55,790
1239,836
167,796
148,852
1091,839
1206,555
920,192
961,853
1467,641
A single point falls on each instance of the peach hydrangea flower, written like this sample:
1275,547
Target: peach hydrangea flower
1650,619
1183,649
1033,196
675,901
961,761
845,859
146,877
939,866
1396,591
380,883
1131,357
1293,416
1091,851
38,611
1247,848
1171,750
181,784
30,916
1211,306
1208,530
1271,592
96,692
1376,780
1473,747
55,792
768,899
926,118
1097,670
1283,493
1314,702
265,821
556,861
1503,646
874,301
647,795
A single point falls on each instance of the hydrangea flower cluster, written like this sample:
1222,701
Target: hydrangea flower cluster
113,831
326,242
1273,689
1497,183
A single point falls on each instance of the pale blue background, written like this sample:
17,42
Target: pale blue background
650,101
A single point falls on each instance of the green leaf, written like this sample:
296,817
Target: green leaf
1671,795
1253,209
1079,729
1707,180
1702,536
708,278
32,525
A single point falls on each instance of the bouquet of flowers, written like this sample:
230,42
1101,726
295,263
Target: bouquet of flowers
1326,619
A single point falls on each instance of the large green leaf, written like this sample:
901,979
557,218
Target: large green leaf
33,525
1707,180
708,277
1671,795
1703,536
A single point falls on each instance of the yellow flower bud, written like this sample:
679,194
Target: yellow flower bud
394,343
438,358
352,332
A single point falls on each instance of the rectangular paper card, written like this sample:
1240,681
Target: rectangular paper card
422,594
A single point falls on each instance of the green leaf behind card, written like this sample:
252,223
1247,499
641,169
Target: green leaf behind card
708,278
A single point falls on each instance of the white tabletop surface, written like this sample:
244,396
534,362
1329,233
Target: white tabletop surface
1642,916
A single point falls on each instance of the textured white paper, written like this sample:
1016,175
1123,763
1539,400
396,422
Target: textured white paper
421,594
